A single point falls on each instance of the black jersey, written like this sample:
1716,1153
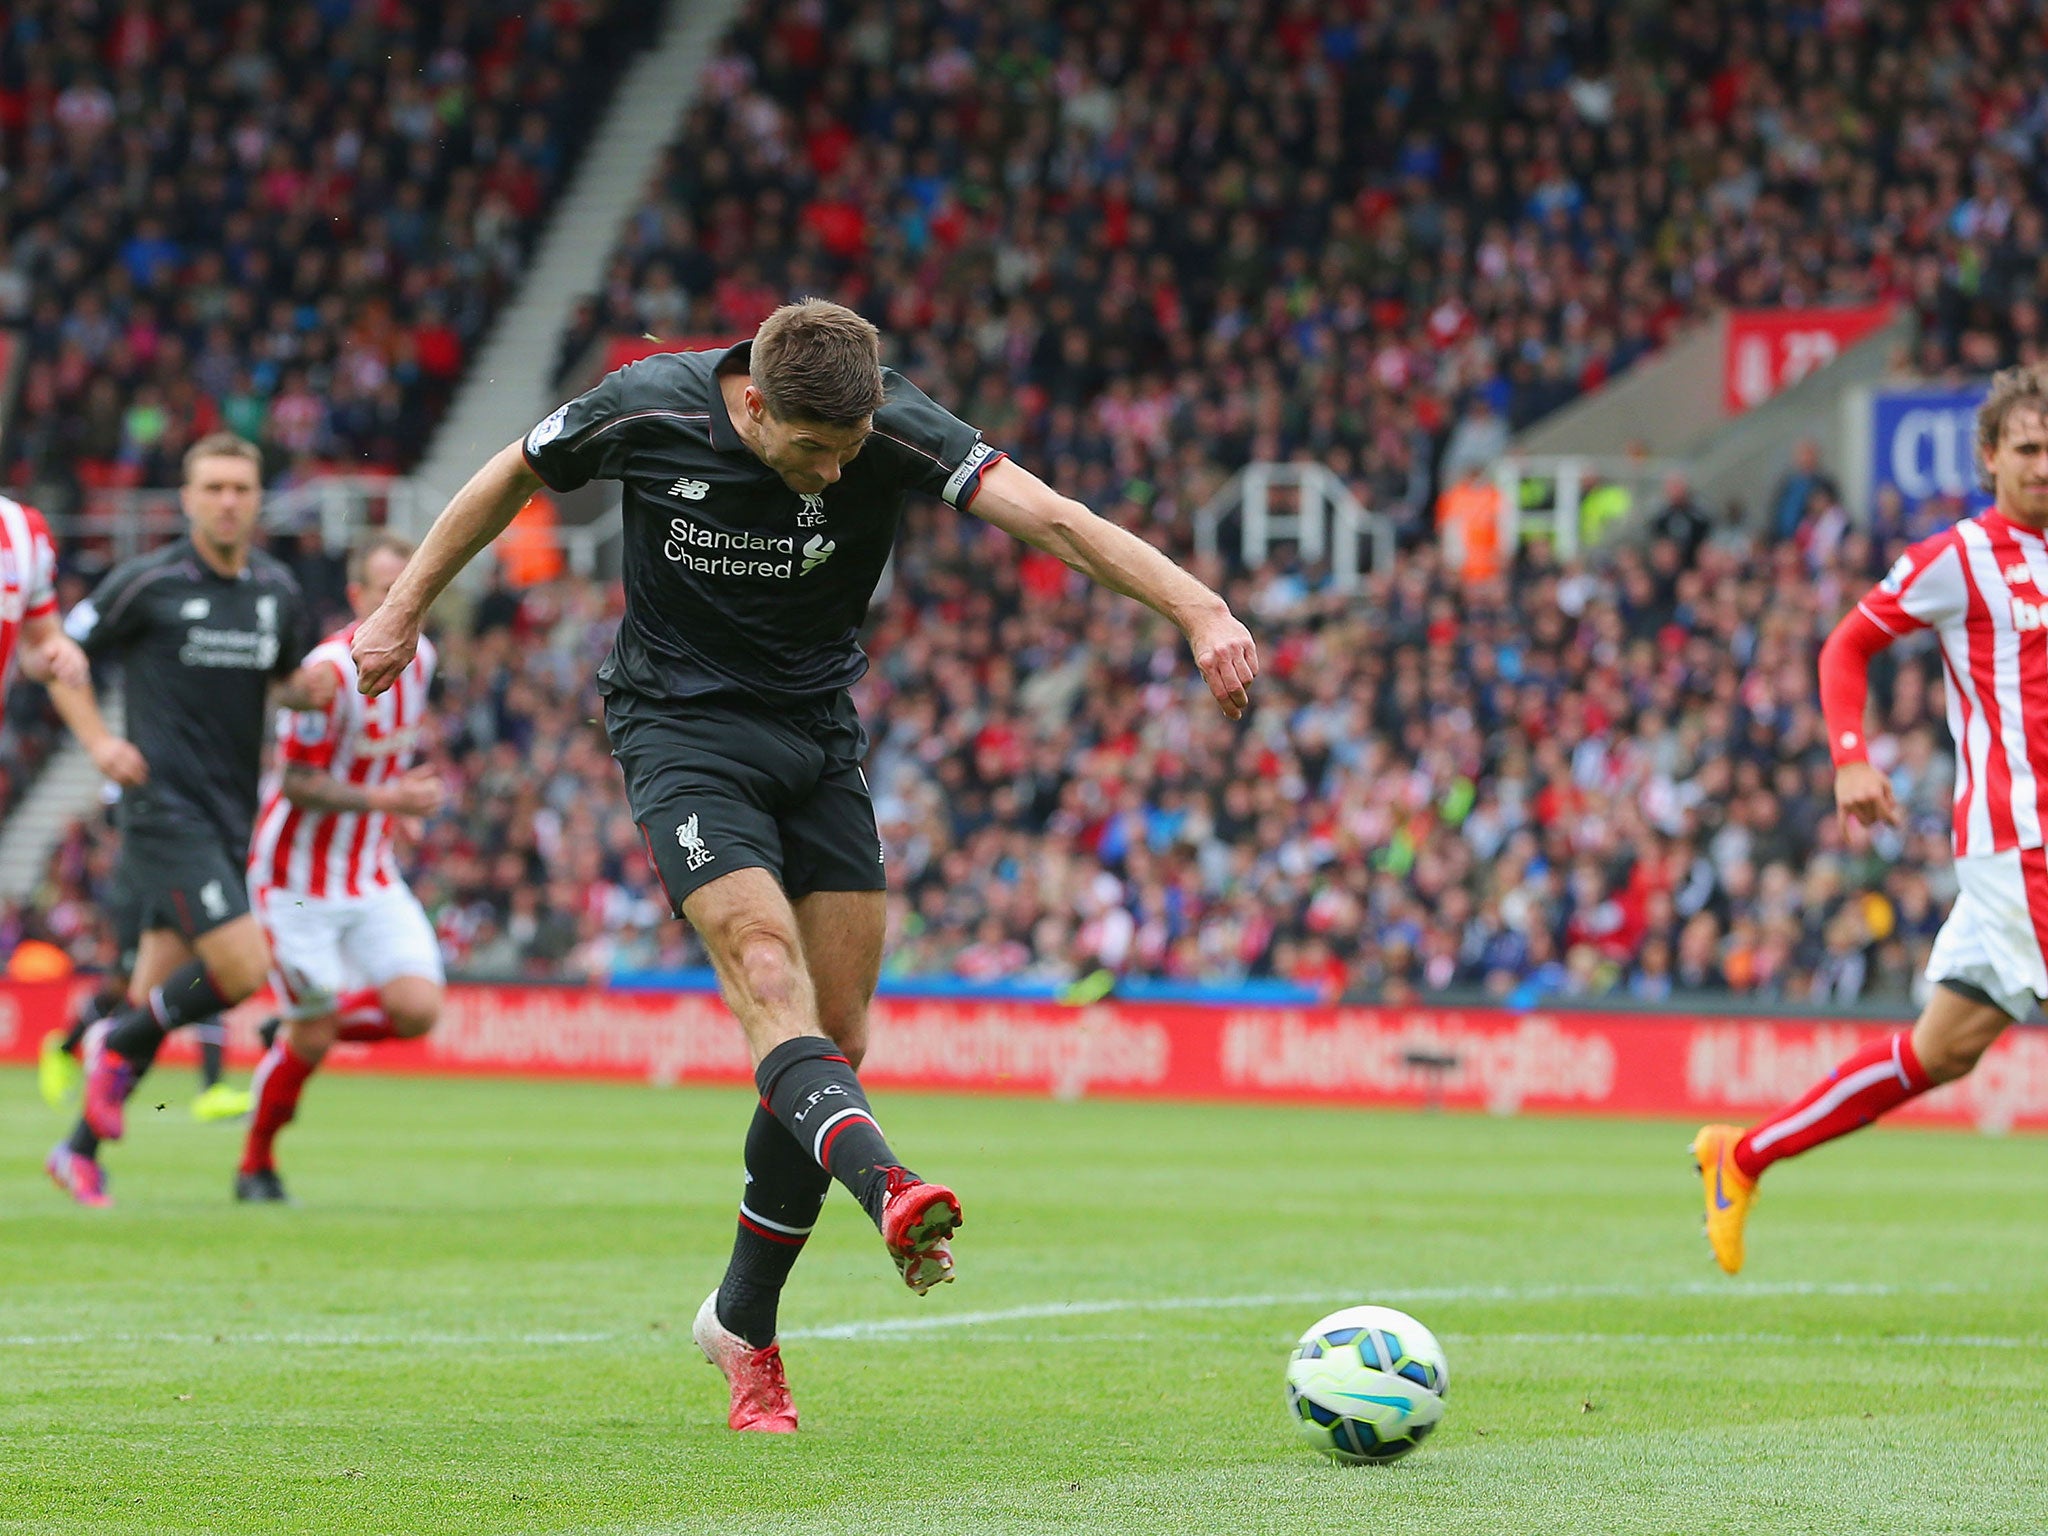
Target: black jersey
199,651
734,582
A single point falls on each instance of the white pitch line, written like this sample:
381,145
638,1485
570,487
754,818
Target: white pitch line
896,1327
884,1327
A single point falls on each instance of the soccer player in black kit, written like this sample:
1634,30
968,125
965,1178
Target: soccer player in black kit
202,629
763,489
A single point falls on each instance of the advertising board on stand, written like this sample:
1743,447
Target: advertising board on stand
1769,350
1923,441
1499,1060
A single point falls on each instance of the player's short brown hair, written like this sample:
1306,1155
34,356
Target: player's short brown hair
820,362
2024,388
222,445
375,543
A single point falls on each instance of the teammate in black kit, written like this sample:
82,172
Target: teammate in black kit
763,489
202,629
59,1060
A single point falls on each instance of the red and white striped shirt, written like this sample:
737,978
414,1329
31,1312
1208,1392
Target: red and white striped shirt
28,576
364,742
1982,586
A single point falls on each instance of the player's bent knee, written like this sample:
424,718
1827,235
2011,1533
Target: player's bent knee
1951,1059
311,1039
237,958
413,1004
1949,1046
766,960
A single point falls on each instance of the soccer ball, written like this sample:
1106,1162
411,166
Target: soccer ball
1367,1384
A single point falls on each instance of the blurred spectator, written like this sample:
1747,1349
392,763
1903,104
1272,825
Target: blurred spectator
1793,498
1468,517
1681,519
1476,441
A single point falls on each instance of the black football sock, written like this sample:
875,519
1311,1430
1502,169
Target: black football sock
810,1087
785,1191
213,1037
95,1008
187,995
82,1141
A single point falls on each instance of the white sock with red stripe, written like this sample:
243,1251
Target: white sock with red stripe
1877,1079
280,1077
361,1018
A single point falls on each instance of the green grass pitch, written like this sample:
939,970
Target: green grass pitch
478,1322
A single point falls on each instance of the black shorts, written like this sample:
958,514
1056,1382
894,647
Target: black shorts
723,783
187,881
124,914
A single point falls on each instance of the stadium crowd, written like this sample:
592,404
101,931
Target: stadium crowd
1146,243
1575,783
1140,245
292,219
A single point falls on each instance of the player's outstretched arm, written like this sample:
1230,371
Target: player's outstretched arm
48,655
115,756
418,792
386,641
1024,506
310,688
1862,793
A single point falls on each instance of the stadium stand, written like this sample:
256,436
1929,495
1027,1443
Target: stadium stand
292,220
1176,238
1575,783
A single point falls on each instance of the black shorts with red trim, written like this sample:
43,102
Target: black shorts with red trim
725,782
188,882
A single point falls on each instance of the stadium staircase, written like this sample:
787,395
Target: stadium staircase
68,788
508,387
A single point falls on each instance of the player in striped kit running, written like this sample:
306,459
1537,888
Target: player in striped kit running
28,622
1982,587
354,957
28,602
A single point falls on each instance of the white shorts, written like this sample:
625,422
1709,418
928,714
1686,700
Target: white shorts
1992,939
324,947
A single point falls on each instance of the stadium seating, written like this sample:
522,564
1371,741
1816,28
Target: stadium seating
291,219
1152,241
1577,784
1168,239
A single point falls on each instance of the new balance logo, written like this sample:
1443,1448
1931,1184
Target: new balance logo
690,490
817,551
695,854
214,899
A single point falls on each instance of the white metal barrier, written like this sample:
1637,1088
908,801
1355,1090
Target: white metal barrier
1558,496
1328,522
